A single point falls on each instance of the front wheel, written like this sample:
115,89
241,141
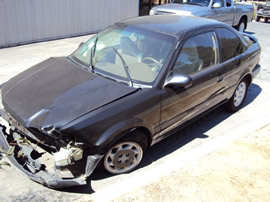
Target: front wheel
126,155
238,98
258,18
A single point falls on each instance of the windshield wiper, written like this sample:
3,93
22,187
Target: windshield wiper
92,53
125,67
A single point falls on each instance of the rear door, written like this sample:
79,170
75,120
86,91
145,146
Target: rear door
198,58
232,52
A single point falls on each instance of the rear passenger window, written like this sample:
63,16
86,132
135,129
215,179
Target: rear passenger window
228,3
197,53
231,45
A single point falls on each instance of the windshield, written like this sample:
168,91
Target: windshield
144,53
193,2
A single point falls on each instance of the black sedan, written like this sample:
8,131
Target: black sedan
124,90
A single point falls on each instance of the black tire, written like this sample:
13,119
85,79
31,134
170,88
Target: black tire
242,25
238,97
125,155
258,18
265,19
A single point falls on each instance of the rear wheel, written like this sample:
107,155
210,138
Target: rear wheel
258,18
126,155
266,19
242,25
238,98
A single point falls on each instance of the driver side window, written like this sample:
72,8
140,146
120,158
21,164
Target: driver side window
219,1
197,53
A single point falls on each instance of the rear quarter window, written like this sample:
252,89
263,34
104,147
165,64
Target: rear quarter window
230,44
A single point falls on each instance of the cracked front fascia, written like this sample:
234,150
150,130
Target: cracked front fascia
43,176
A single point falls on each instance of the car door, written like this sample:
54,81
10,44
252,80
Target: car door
198,58
232,50
219,13
230,12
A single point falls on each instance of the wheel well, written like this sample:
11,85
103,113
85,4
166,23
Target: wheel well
249,79
127,133
147,133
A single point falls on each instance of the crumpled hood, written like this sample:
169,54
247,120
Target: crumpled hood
57,91
180,9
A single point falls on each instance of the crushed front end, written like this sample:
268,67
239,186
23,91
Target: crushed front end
65,164
36,107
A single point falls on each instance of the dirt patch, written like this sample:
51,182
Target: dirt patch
238,172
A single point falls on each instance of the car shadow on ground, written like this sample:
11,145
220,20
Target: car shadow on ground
251,33
84,189
195,130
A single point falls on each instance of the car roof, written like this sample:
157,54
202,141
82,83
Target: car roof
171,24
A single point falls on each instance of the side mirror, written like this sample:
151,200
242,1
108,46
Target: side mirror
178,80
82,43
217,5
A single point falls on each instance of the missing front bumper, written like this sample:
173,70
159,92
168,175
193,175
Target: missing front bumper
30,163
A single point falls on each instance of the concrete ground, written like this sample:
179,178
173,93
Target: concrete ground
175,155
238,171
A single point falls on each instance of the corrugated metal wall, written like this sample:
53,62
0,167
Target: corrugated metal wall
24,21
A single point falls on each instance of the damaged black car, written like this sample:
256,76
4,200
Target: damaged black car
122,91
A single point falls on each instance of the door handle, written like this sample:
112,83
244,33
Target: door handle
220,78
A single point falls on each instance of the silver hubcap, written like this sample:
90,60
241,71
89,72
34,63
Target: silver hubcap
123,157
242,27
240,94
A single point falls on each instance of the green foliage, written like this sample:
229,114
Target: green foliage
4,163
11,151
25,141
2,151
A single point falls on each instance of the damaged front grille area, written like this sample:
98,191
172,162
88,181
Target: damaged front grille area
69,166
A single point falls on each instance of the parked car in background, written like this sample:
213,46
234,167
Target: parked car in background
122,91
236,15
263,11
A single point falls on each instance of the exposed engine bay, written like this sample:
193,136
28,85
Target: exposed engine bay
68,166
